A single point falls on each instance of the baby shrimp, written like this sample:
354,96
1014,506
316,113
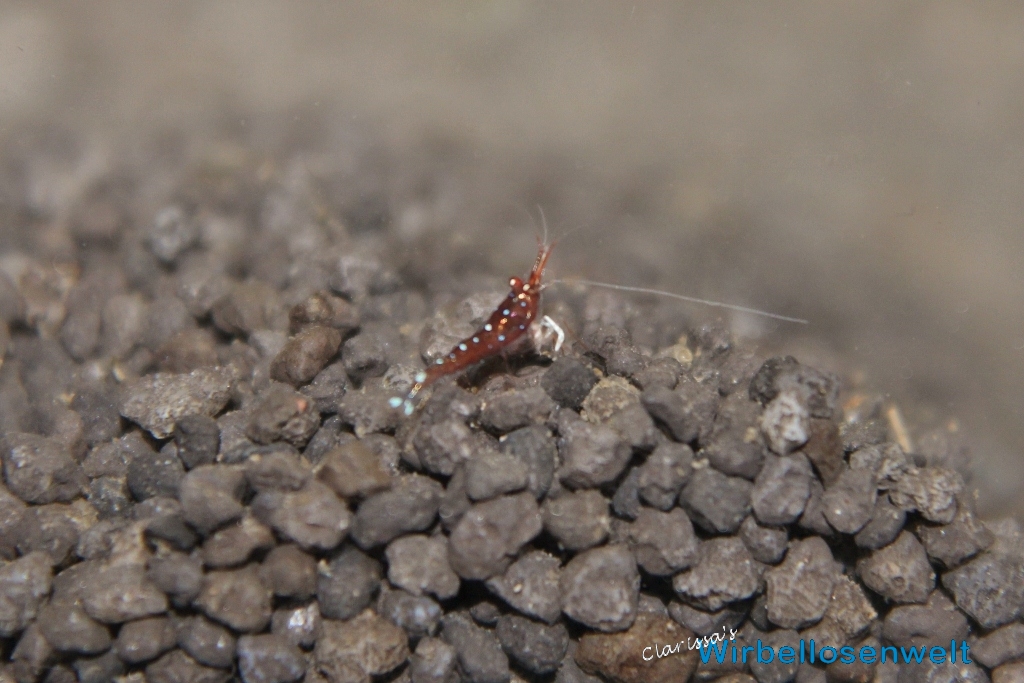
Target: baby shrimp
512,319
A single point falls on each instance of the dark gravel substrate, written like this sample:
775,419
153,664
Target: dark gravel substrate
205,479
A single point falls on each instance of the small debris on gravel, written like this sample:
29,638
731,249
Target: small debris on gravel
205,477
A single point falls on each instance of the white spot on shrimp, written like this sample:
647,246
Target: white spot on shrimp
488,327
421,376
522,327
476,340
505,312
501,337
523,304
395,401
462,347
452,356
440,361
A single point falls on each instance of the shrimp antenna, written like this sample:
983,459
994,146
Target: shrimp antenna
543,222
690,299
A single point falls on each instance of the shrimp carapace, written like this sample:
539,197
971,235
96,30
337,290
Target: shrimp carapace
509,322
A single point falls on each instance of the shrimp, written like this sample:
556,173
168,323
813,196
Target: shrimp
509,323
512,319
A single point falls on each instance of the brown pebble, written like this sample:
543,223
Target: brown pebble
628,657
305,354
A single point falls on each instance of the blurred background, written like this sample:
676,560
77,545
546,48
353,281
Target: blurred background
856,164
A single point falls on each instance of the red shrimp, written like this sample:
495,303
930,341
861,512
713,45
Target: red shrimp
509,322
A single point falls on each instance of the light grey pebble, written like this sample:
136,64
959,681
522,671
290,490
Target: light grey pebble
156,401
237,598
664,473
434,661
206,641
491,474
600,588
931,491
118,593
785,422
347,585
899,571
419,564
535,447
300,625
312,517
885,524
989,588
41,470
67,627
800,588
537,647
410,505
489,534
715,502
530,585
578,519
663,542
480,657
591,455
419,615
145,639
511,410
850,501
269,658
725,572
781,489
211,496
766,544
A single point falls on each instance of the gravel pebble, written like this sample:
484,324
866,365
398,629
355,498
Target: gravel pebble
489,535
1001,646
725,572
600,588
32,655
766,544
176,666
235,544
282,414
305,355
155,474
347,585
900,571
800,588
626,501
278,466
480,657
178,575
40,470
568,382
688,411
957,541
410,505
312,517
247,307
323,308
931,491
155,402
664,473
784,372
208,642
591,454
936,621
511,410
370,643
885,524
850,501
353,471
434,661
300,626
491,474
419,616
100,669
530,585
269,658
619,657
365,355
663,542
715,502
67,627
444,446
198,440
237,598
786,422
781,489
290,572
419,564
146,639
211,496
535,448
118,593
577,520
989,588
538,648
